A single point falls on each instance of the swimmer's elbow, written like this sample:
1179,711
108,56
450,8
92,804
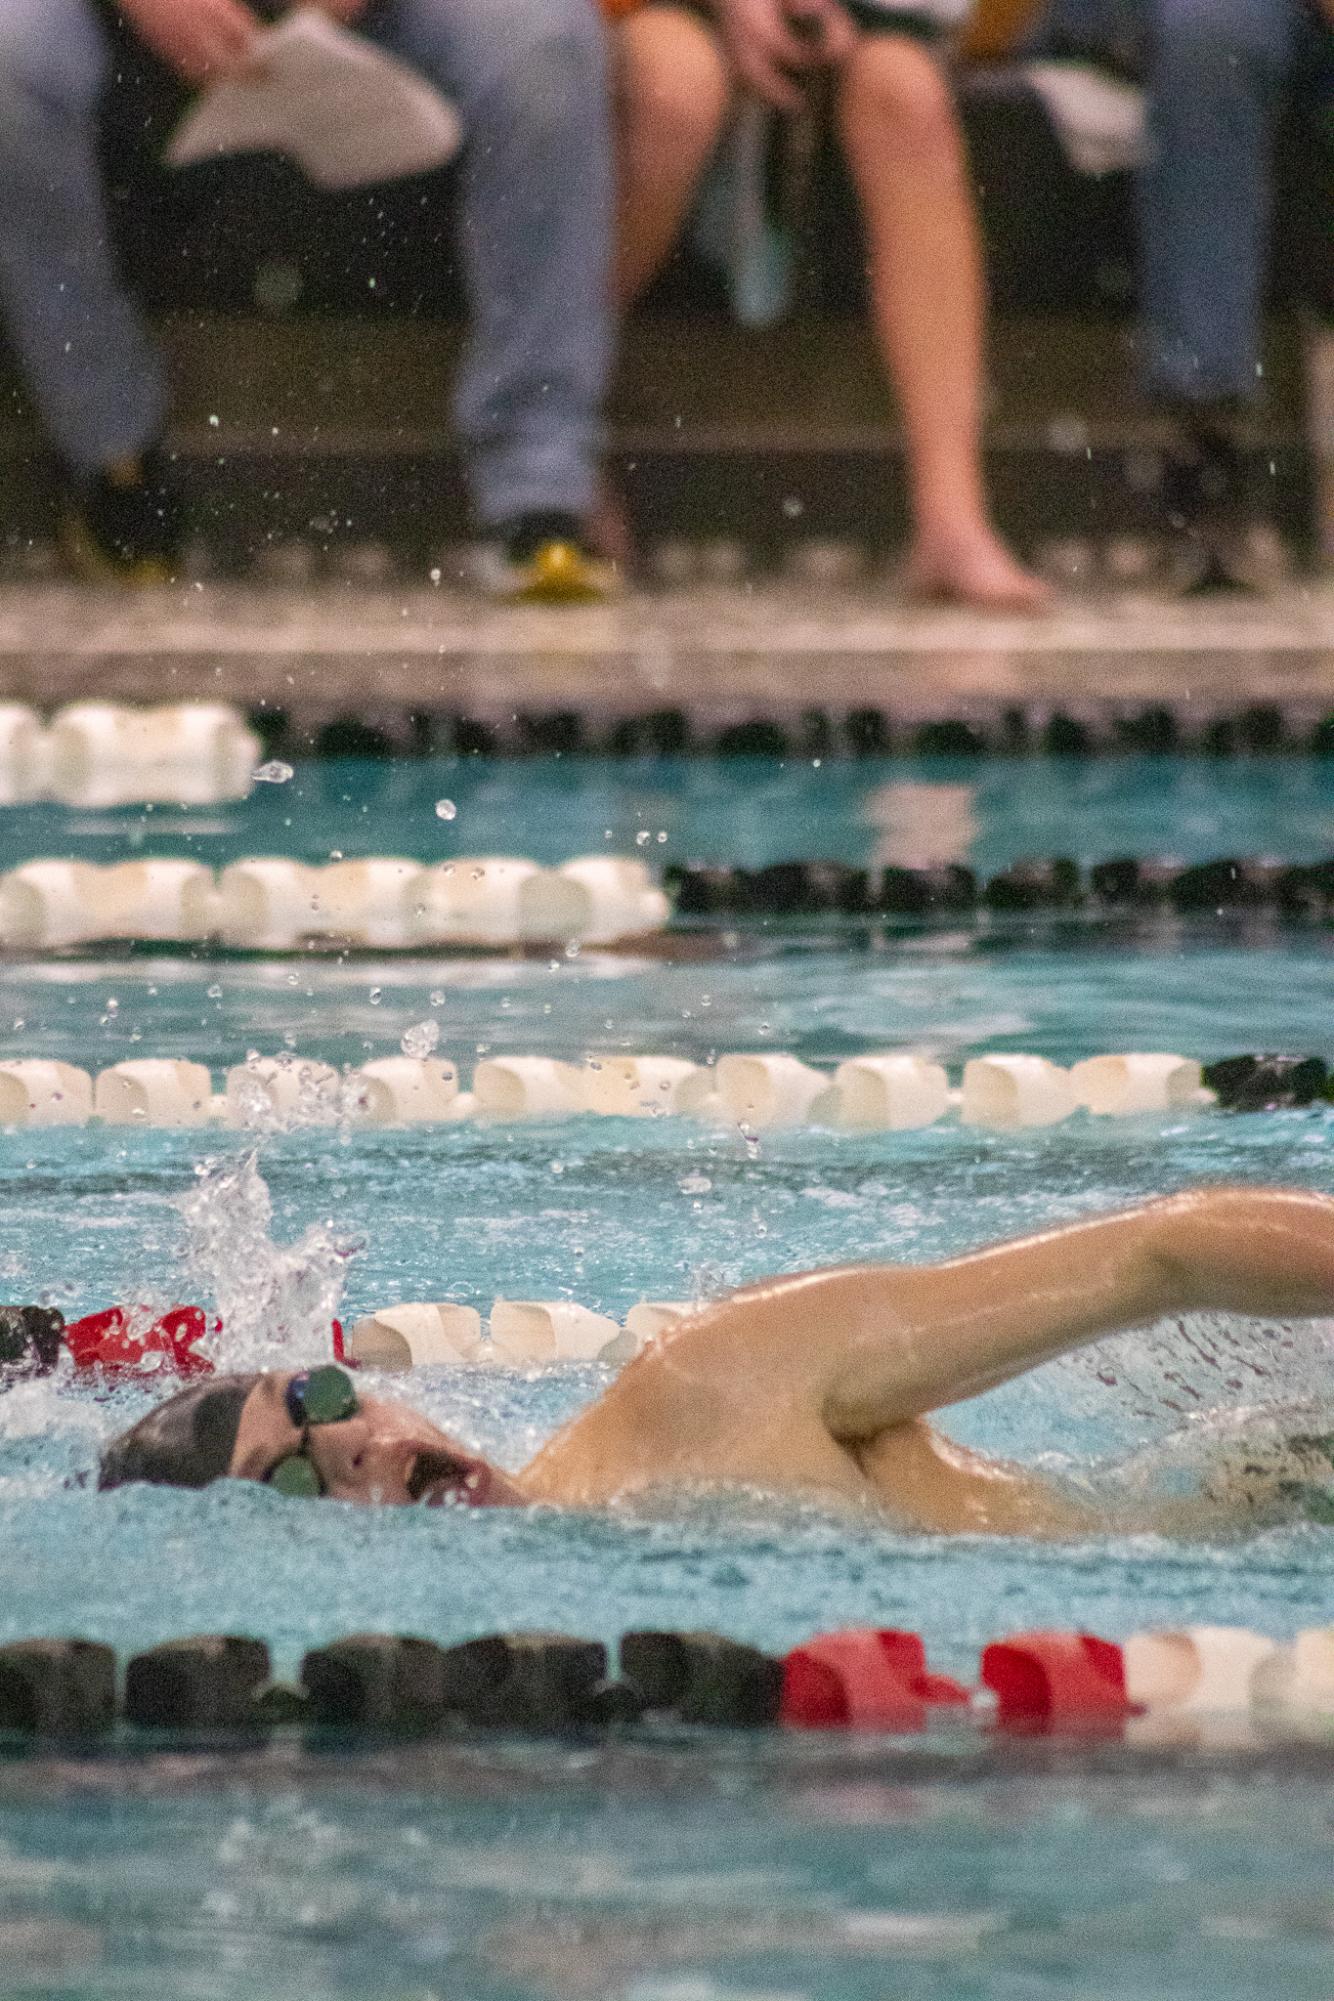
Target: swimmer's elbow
1244,1250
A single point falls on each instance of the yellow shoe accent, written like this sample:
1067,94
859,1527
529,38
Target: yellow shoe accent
91,563
560,573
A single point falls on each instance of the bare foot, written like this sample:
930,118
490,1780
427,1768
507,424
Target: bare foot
976,570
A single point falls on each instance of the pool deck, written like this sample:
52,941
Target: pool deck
718,653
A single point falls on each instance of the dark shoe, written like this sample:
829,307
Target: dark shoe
124,525
544,559
1220,539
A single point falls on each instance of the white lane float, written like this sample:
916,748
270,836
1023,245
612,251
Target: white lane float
406,1091
154,1091
775,1090
528,1333
473,902
615,897
160,900
367,903
436,1333
273,1091
1120,1086
770,1090
527,1087
891,1093
636,1087
1016,1091
652,1318
34,1092
108,754
1294,1686
265,903
380,903
1196,1685
22,754
50,904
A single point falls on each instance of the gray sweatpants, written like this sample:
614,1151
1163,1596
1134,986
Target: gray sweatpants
529,79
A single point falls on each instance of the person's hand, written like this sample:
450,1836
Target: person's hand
200,39
774,41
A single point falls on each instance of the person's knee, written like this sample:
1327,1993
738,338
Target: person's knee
45,90
896,101
673,79
555,64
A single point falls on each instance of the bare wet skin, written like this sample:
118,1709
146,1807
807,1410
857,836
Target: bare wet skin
387,1454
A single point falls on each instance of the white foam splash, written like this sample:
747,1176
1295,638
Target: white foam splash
276,1301
1202,1362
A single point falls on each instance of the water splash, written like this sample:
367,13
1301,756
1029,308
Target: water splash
276,1301
1189,1366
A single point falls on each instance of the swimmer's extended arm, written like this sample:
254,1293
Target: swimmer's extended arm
874,1346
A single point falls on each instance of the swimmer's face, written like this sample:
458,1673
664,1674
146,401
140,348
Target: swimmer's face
384,1454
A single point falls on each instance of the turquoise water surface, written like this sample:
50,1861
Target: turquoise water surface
742,810
665,1871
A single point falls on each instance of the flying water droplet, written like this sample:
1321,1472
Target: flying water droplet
445,809
419,1040
275,772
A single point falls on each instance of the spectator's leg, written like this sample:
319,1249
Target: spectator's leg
530,80
905,149
1216,84
92,372
672,94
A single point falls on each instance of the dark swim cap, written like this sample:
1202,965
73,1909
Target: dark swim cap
187,1441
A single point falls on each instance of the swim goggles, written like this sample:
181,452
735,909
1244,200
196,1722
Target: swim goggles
316,1396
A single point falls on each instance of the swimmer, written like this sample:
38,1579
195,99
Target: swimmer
818,1385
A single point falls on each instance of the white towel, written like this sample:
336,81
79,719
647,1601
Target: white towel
1099,120
344,110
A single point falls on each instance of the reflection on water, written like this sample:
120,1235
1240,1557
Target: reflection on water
738,810
675,1873
919,824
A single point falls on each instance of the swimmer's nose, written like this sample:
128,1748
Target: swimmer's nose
365,1461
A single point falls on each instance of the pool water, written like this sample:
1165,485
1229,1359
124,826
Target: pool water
663,1872
666,1871
747,811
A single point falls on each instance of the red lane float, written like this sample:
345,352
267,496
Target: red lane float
119,1340
122,1340
864,1680
1046,1681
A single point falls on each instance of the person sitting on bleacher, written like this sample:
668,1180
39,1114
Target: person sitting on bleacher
899,130
1220,74
528,79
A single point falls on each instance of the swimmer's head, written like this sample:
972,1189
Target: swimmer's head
186,1442
312,1433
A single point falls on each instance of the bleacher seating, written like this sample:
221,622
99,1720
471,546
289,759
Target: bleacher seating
311,286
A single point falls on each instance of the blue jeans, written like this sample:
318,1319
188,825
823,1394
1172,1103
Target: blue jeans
1219,74
529,79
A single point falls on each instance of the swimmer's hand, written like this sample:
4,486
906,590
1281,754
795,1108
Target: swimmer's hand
201,40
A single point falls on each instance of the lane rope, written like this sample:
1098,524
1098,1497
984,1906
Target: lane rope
748,1092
